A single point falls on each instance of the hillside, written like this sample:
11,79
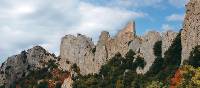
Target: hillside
126,60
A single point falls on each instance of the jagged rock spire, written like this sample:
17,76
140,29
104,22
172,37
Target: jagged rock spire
130,27
128,31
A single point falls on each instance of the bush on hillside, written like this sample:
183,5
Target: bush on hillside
194,58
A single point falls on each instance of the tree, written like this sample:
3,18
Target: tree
51,64
172,60
118,72
158,49
119,84
130,54
75,68
194,58
42,85
158,63
140,62
156,84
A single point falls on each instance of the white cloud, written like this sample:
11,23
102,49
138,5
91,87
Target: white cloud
43,23
96,19
23,9
178,3
167,27
129,3
175,17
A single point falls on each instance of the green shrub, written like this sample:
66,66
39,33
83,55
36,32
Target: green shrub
172,59
75,68
194,58
42,85
3,86
118,72
158,62
51,64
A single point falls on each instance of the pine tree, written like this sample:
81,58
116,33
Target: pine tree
194,58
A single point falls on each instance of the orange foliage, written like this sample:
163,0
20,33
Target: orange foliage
176,80
51,84
57,73
17,86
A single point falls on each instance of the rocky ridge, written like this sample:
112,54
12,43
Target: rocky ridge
82,51
20,65
89,57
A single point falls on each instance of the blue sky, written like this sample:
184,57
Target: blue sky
26,23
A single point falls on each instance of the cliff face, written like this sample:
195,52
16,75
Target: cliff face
90,58
20,65
167,40
77,49
107,46
81,50
146,48
190,35
87,56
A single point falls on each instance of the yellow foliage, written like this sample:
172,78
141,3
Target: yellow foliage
191,77
156,84
196,77
119,84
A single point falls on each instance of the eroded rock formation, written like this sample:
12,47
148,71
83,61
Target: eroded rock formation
77,49
144,47
167,40
89,57
190,35
20,65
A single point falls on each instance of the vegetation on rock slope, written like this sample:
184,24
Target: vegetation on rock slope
48,77
121,72
118,72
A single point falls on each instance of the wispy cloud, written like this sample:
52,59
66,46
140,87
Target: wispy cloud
175,17
127,3
166,27
26,23
178,3
95,19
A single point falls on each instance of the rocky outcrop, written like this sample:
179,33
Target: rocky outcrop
90,58
2,75
81,50
190,35
148,43
167,40
19,66
107,46
101,52
67,83
77,49
144,47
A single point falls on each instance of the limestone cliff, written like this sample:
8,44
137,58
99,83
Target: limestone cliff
167,40
77,49
82,51
144,46
190,35
20,65
90,58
